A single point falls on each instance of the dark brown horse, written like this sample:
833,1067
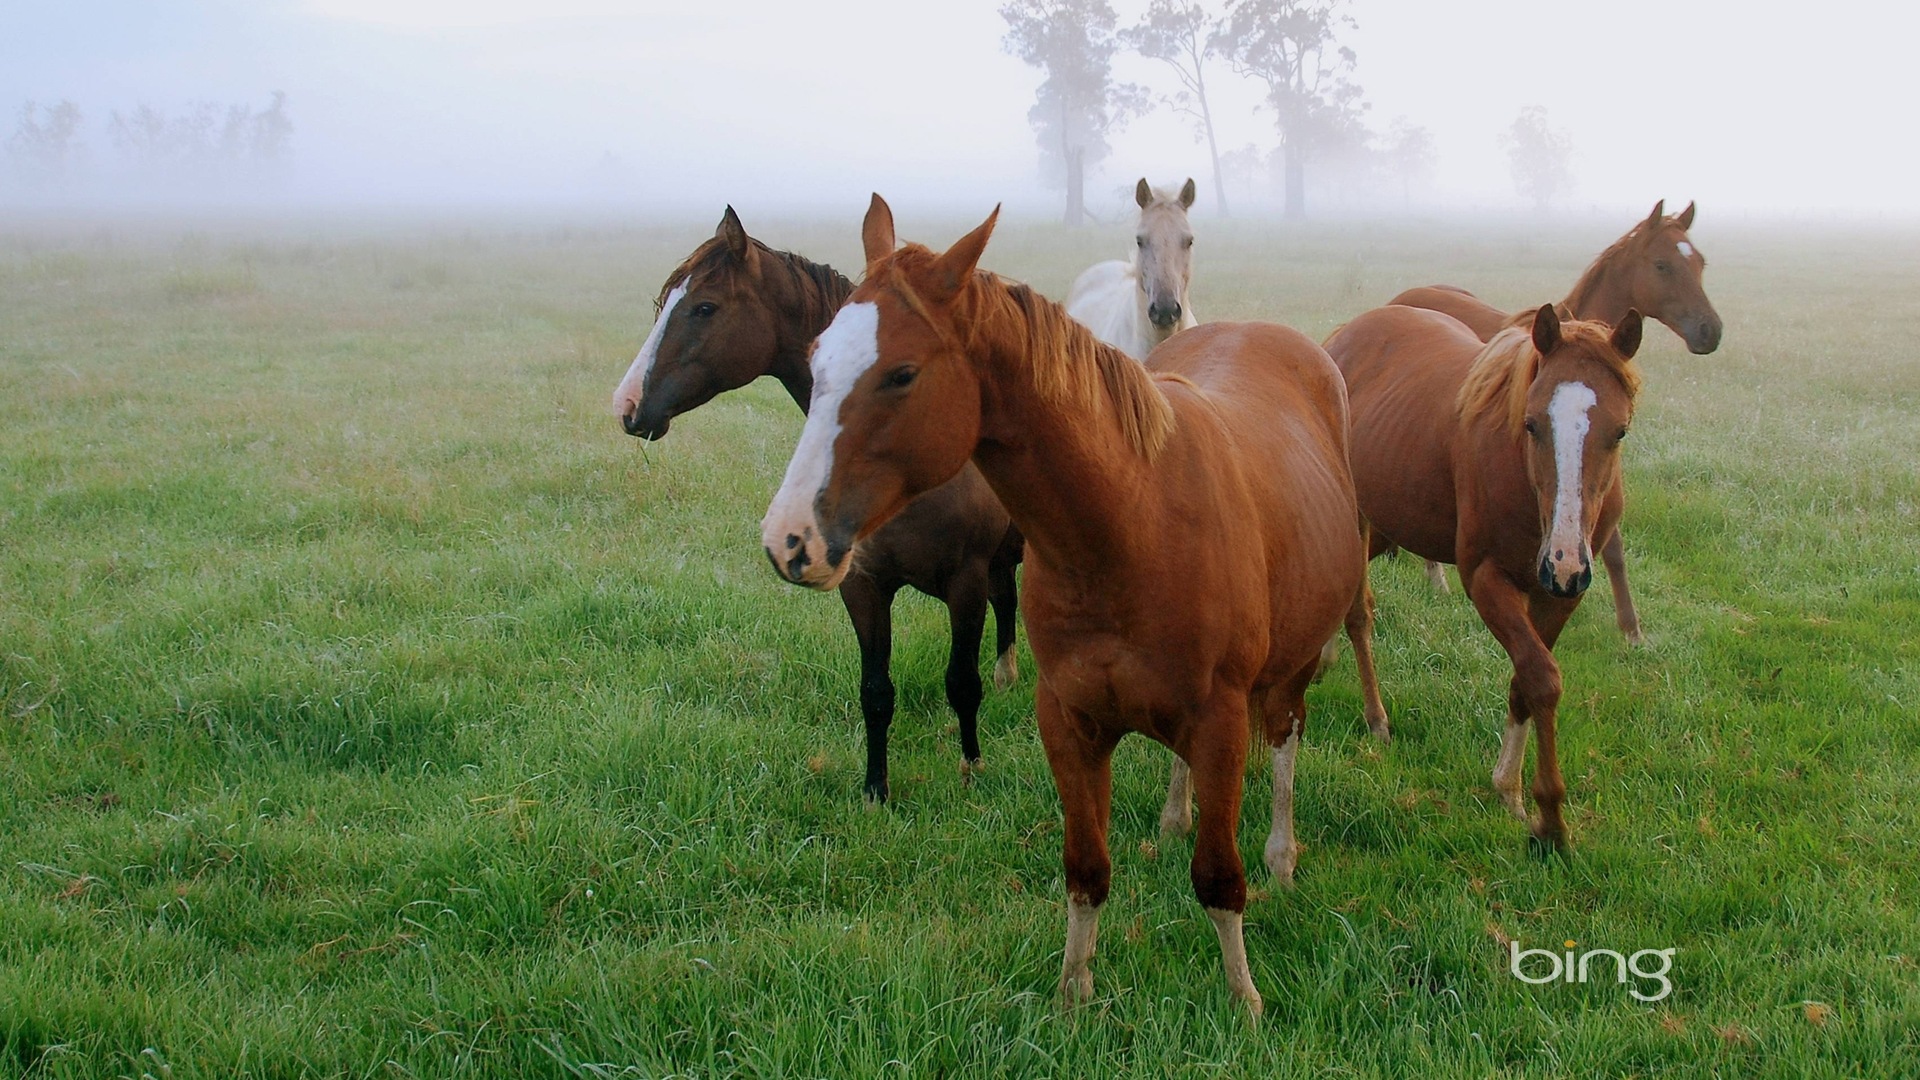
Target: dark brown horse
1192,538
1654,269
1502,458
736,310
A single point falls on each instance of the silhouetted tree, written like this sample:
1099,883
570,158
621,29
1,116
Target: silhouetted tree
1079,104
203,144
42,150
1290,45
1184,36
1540,156
1409,155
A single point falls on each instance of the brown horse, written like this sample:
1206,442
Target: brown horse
1192,537
1503,458
736,310
1654,269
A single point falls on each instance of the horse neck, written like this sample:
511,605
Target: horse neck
807,295
1601,293
1061,464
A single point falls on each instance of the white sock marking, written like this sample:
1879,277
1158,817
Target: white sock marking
626,396
1282,853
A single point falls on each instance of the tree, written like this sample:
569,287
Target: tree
1539,155
41,150
204,144
1409,155
1184,36
1078,104
1290,46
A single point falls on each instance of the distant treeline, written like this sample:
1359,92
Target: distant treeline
205,149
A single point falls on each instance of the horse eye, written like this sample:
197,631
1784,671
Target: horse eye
1532,428
1189,241
901,376
1663,266
1622,435
1140,241
704,310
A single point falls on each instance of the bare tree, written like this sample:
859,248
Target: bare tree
1184,36
1540,156
1290,45
1078,104
204,144
43,150
1409,155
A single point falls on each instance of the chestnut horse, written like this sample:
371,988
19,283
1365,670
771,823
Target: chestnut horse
1503,458
736,310
1192,538
1653,269
1134,306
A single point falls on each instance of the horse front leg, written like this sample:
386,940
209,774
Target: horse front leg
1216,748
870,607
1003,594
1360,633
1080,757
1614,554
1526,628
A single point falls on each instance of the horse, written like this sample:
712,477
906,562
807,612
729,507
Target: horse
1134,306
735,310
1192,536
1503,458
1654,269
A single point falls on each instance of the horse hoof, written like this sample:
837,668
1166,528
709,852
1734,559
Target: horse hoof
1006,671
970,768
1174,826
1380,730
876,798
1634,636
1255,1007
1547,846
1076,988
1281,865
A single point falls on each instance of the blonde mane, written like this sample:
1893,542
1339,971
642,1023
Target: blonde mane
1506,366
1068,365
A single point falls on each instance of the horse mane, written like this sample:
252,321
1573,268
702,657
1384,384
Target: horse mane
1067,363
1589,279
818,285
1503,372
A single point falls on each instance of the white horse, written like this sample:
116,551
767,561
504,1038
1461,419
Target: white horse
1136,305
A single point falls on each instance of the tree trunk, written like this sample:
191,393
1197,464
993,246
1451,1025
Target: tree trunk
1213,148
1296,182
1076,187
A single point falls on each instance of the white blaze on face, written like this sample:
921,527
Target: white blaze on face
1567,411
845,351
626,397
1686,249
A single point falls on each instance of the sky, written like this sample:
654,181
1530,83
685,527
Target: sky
1747,106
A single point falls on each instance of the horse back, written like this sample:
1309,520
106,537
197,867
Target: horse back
1482,318
1103,300
1404,367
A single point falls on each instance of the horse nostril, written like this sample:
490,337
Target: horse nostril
792,541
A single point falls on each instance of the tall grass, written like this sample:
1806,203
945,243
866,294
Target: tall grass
370,706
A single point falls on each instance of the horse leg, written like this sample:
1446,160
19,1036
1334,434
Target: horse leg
1004,595
1176,814
1217,749
1513,747
1360,632
1081,761
1437,577
1526,626
1614,554
871,609
1283,717
967,614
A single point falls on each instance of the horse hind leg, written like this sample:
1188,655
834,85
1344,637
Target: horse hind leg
1437,577
1284,719
1359,626
967,614
1003,595
1176,814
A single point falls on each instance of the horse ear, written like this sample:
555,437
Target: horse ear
1626,335
733,233
1142,194
1186,195
876,233
952,269
1686,218
1546,329
1659,211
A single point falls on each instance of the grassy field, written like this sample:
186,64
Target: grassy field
370,706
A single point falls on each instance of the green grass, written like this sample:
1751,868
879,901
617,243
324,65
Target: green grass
369,705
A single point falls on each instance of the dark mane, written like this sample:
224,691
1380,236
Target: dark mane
820,286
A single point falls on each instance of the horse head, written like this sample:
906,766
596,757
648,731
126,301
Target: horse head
717,329
1164,251
896,404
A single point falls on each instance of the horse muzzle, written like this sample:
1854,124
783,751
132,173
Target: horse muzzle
1163,313
640,424
1566,576
802,555
1703,336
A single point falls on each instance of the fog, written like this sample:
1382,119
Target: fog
1749,108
